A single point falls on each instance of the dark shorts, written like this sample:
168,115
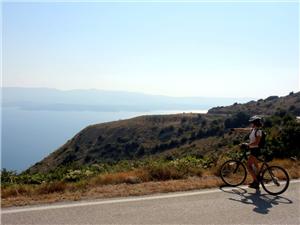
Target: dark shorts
255,152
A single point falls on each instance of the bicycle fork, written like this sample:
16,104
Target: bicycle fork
274,178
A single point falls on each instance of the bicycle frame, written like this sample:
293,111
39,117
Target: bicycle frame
261,169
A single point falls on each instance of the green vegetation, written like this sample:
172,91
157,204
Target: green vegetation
283,135
158,169
136,139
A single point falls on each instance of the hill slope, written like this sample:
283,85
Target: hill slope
268,106
168,135
133,138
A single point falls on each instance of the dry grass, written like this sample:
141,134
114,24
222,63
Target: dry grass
58,186
16,190
292,166
130,177
131,183
116,190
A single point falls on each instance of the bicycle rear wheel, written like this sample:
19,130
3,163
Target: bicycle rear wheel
233,173
275,180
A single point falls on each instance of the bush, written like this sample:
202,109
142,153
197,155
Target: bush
8,177
239,119
74,175
283,136
31,178
175,169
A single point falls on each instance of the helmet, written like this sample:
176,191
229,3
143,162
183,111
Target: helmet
255,119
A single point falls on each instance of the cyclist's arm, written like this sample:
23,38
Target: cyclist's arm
246,130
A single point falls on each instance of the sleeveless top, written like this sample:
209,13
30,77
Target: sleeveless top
253,135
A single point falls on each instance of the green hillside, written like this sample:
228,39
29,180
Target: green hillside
135,138
178,135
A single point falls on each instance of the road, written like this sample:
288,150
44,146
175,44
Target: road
212,206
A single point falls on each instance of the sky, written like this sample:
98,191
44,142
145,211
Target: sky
166,48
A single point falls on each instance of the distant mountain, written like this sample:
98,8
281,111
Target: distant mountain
101,100
169,135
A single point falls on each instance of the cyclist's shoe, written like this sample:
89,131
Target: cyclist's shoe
254,185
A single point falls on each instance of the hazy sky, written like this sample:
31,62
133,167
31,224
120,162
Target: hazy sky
176,49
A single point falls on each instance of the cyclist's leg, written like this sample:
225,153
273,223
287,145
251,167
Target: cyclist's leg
252,165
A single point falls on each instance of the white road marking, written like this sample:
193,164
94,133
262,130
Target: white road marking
131,199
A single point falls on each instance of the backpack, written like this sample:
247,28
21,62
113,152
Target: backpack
262,141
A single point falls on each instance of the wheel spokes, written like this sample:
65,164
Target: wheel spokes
275,180
233,173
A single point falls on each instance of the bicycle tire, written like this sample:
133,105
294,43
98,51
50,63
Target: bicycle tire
264,179
229,169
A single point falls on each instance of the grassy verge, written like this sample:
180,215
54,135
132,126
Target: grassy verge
157,178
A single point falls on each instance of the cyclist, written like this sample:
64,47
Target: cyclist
255,138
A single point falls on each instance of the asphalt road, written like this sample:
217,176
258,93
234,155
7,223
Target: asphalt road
211,206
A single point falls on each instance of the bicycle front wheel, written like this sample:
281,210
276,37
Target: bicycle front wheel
233,173
275,180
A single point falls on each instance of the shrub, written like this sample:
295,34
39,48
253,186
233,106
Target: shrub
175,169
239,119
73,175
26,178
8,177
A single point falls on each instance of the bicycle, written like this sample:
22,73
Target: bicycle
274,179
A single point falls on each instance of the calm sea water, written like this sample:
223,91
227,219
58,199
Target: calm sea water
29,136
